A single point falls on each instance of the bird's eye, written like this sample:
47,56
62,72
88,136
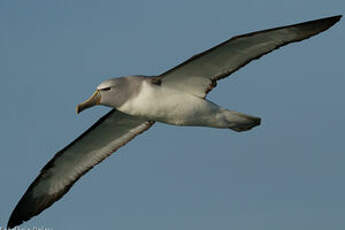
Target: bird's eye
106,89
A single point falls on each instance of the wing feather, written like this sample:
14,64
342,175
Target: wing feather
198,75
108,134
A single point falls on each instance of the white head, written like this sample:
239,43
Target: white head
112,92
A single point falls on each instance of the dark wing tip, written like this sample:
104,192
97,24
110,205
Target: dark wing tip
319,25
13,222
323,23
30,206
329,21
17,217
24,210
336,18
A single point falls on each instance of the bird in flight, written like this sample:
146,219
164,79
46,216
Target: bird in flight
176,97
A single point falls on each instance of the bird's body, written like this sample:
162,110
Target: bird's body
172,106
176,97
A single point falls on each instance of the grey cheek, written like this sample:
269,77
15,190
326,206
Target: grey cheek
116,97
125,89
119,100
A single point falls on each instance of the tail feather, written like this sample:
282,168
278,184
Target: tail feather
240,122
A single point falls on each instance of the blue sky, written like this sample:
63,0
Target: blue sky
286,174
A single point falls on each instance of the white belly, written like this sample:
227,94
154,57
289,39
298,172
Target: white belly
170,106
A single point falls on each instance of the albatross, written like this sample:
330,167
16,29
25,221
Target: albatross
176,97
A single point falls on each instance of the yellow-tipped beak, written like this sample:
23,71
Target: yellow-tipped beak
92,101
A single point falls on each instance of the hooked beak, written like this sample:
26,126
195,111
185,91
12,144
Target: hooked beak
95,99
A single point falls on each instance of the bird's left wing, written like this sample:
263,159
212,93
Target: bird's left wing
198,75
108,134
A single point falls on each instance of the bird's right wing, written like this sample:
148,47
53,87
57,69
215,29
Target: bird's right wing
108,134
199,74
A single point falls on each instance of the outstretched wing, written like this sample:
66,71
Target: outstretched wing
108,134
198,75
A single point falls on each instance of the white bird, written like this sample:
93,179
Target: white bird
176,97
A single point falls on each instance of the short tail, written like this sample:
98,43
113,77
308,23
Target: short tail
240,122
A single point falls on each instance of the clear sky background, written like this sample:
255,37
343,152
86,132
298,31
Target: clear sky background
287,173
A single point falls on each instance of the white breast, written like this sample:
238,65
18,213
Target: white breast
167,105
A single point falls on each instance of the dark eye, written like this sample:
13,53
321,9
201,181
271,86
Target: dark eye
106,89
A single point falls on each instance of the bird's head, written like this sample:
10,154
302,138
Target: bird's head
108,93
